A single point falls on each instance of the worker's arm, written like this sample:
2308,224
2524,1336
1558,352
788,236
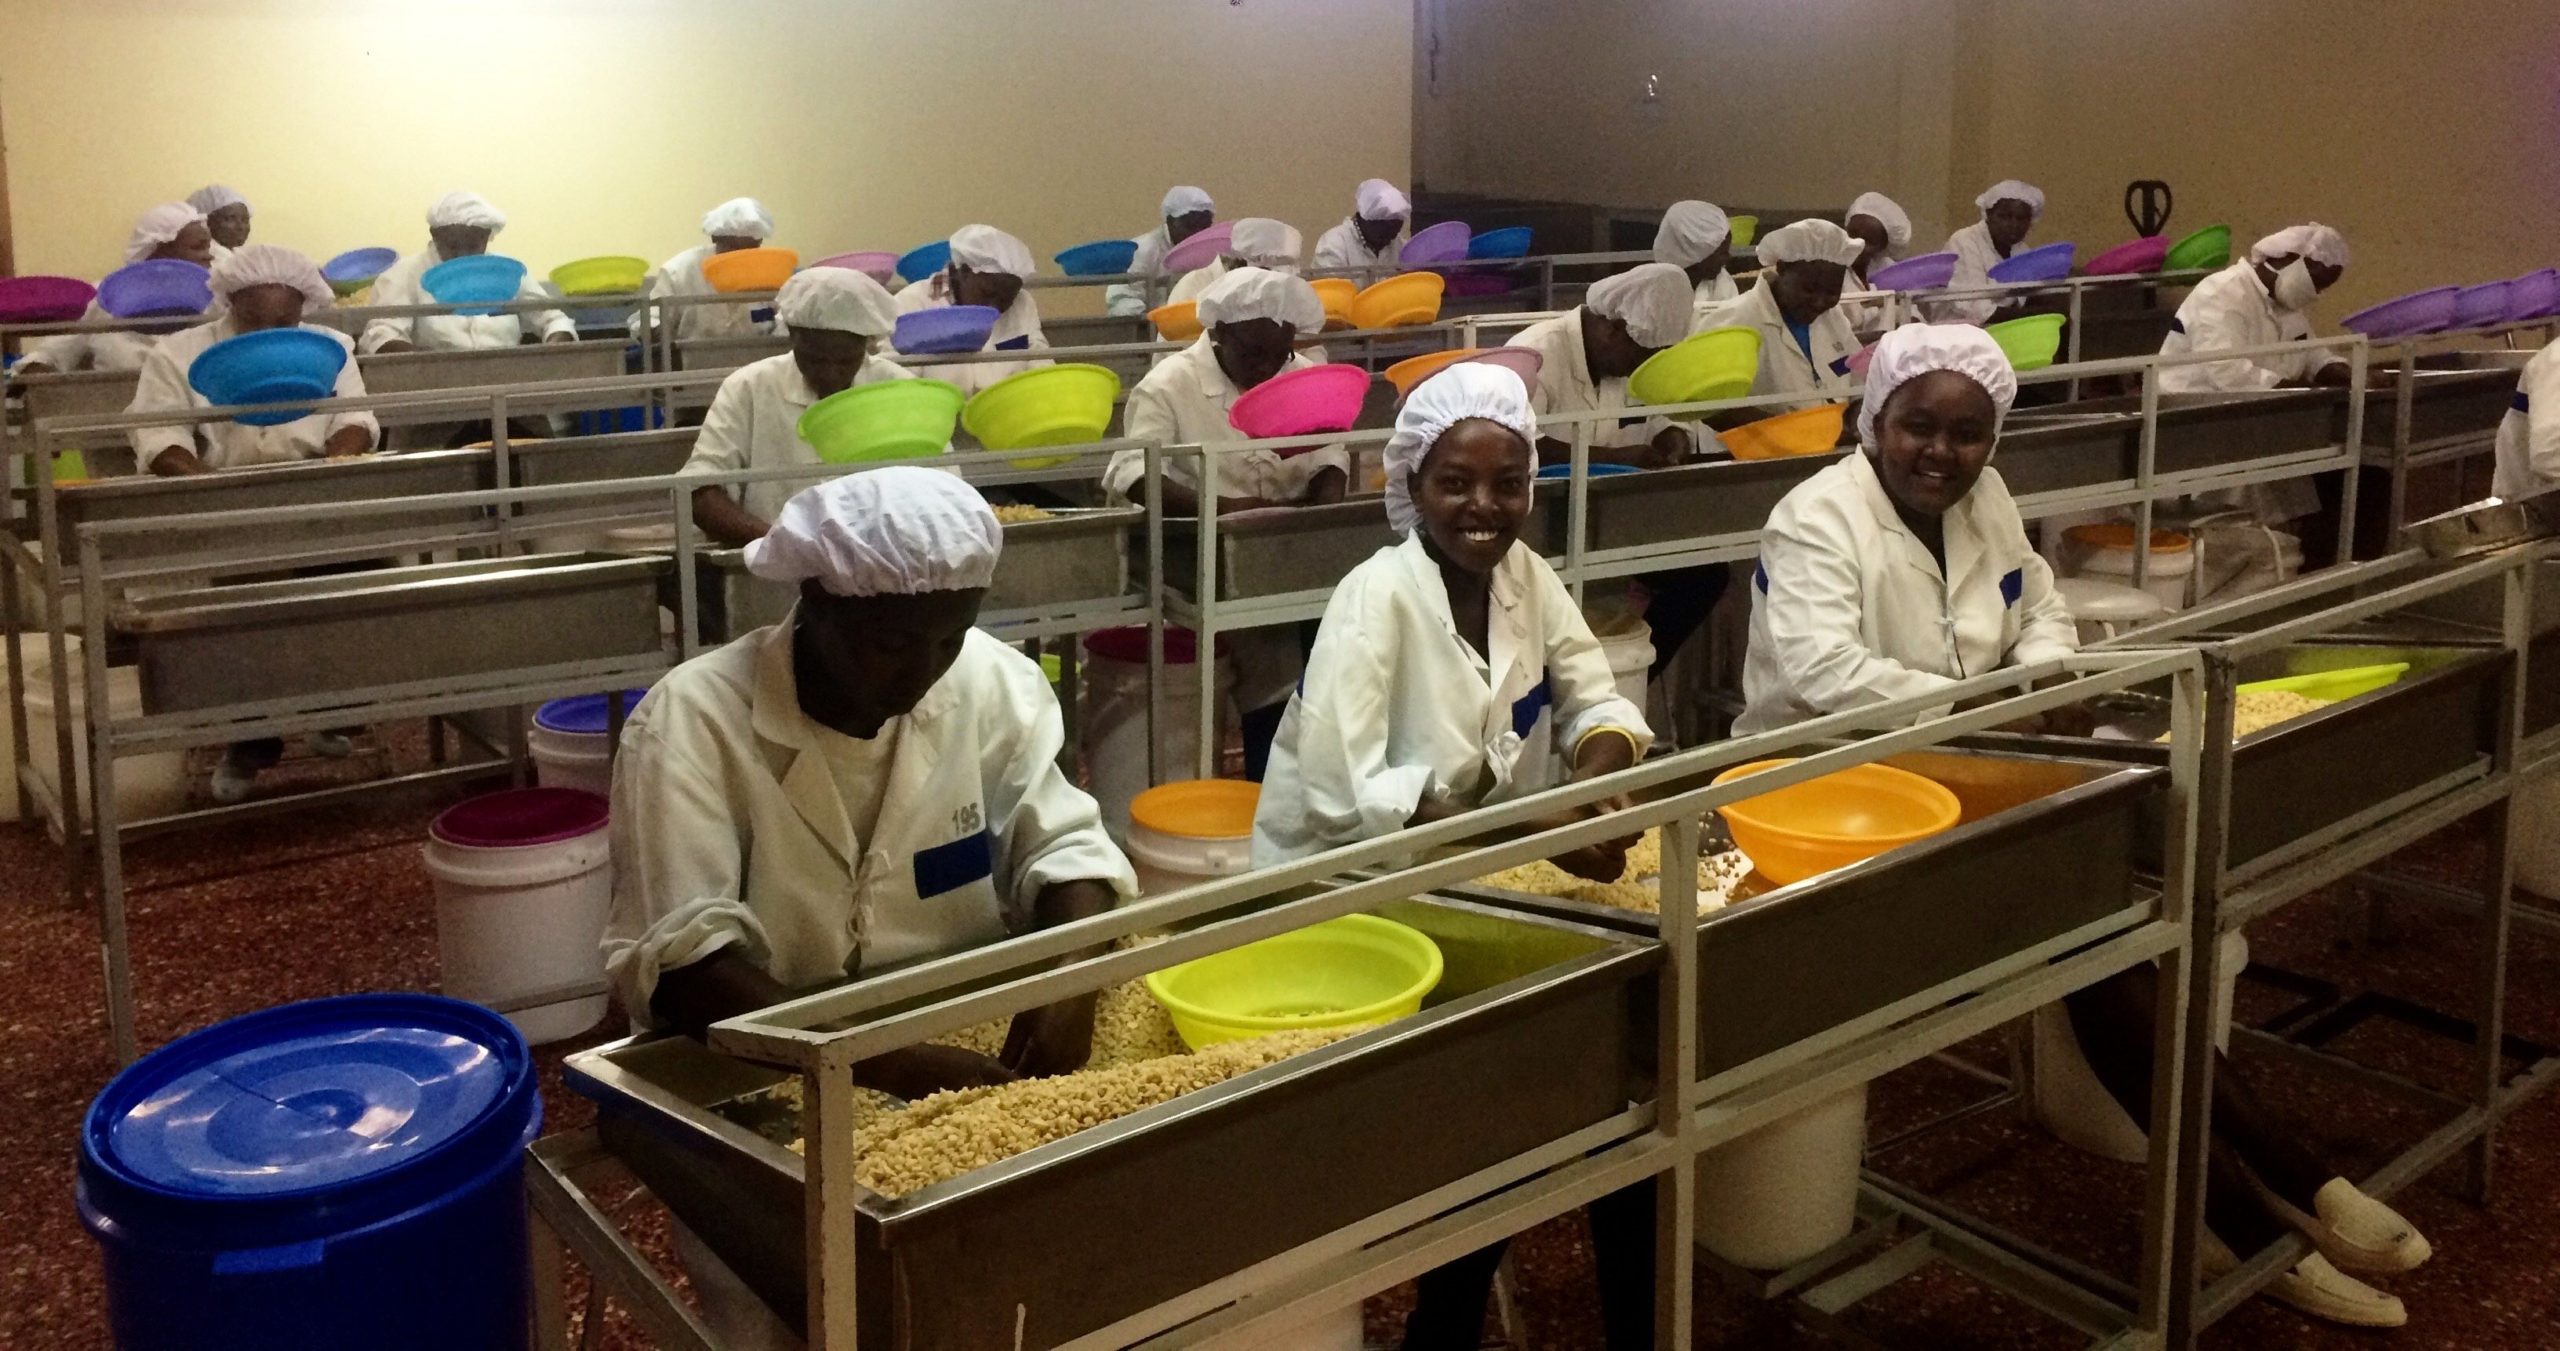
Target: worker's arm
723,985
177,461
724,520
1668,447
1057,1038
162,387
348,440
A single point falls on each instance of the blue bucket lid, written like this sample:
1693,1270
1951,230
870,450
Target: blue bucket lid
582,713
309,1118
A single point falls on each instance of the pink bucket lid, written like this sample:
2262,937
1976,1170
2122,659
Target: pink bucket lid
521,817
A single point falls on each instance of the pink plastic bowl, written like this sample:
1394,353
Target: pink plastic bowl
1201,249
1862,358
2140,255
44,300
1302,403
879,267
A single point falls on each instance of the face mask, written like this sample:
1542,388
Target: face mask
2293,288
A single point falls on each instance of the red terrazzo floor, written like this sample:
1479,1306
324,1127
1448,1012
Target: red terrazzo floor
336,901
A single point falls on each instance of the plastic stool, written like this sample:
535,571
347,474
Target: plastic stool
2107,608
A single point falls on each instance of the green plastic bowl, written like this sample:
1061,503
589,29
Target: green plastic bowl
606,276
2207,248
2333,686
2030,342
1716,364
885,420
1053,406
1341,973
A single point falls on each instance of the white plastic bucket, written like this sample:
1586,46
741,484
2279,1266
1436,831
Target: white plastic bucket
523,880
1628,644
572,745
1182,834
1112,728
146,785
2103,610
1786,1191
2536,832
2105,553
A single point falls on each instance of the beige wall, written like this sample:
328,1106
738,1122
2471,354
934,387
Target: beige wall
609,126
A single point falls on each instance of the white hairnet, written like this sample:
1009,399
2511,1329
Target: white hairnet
213,197
984,248
1887,213
159,225
2314,241
1265,242
272,265
465,208
1249,293
1187,201
738,218
1917,349
1810,241
1689,232
2011,190
836,298
1378,199
1467,389
899,531
1652,299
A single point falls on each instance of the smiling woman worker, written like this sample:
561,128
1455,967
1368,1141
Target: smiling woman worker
2009,209
175,230
987,268
1368,237
459,225
1898,572
1187,211
1805,341
739,223
1697,238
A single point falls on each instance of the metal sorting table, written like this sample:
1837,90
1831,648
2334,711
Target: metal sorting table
1551,1023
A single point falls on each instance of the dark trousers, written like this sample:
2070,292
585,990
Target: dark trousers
1448,1312
1681,601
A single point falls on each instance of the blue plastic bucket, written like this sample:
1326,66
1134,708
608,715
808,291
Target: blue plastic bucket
343,1172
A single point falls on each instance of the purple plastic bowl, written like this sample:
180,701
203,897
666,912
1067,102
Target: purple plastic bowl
2048,262
1927,272
44,300
518,818
2535,295
951,329
2131,257
1442,243
2418,312
1479,282
156,288
2482,306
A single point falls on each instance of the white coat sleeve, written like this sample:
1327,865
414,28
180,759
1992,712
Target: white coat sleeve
2541,389
1814,602
652,286
162,386
1047,830
399,286
2045,627
1331,250
727,431
1352,791
351,386
1128,299
1148,416
679,871
543,323
64,351
1585,689
2213,328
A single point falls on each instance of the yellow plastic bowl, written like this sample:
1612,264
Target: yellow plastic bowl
1810,828
1806,431
610,275
1337,295
1177,322
749,269
1341,973
1717,364
884,420
1400,301
1053,406
1198,809
2030,342
1742,230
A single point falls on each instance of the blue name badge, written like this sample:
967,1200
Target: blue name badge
1021,344
1840,367
2013,586
949,867
1526,708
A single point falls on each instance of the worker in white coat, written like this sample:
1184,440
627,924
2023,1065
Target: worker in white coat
1904,569
1256,241
1372,235
2529,445
988,267
739,223
1883,232
1697,238
459,225
1251,318
1187,211
173,230
837,319
259,288
226,215
1805,341
1454,671
2009,210
869,784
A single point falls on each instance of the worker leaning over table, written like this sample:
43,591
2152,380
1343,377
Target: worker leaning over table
739,223
226,214
1371,236
1903,570
1187,211
459,225
1883,231
1453,671
988,267
2009,210
1697,238
1805,341
837,318
174,230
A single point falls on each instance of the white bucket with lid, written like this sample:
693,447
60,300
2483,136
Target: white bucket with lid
2105,553
1112,728
523,881
572,743
1628,644
1183,834
1784,1192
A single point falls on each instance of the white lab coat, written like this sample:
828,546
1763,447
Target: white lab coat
1342,246
1564,385
1397,708
1849,609
2231,309
729,829
1190,284
1019,324
403,285
1975,255
2529,435
682,276
1713,294
1865,316
754,423
1822,371
1128,299
119,350
231,445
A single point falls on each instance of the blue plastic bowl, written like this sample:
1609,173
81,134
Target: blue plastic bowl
1510,242
359,265
2050,262
280,365
156,287
479,283
920,263
1555,471
1101,258
951,329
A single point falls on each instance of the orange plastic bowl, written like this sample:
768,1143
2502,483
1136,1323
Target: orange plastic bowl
1806,431
1400,301
1337,295
1177,322
1810,828
749,269
1411,371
